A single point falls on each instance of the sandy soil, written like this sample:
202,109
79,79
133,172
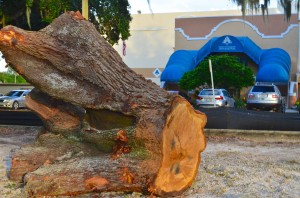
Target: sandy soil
231,166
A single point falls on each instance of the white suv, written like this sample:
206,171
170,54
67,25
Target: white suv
14,99
265,96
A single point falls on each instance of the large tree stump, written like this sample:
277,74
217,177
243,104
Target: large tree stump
137,136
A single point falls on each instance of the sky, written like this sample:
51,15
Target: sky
2,64
165,6
162,6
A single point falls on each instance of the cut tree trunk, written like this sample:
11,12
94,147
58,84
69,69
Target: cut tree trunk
137,136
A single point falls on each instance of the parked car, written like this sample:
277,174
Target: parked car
14,99
220,97
266,97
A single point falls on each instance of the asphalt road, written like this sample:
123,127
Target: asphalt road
229,118
218,118
19,117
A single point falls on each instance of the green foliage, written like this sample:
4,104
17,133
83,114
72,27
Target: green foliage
228,72
6,77
110,17
240,103
52,9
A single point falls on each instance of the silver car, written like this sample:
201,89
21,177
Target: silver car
218,98
265,96
14,99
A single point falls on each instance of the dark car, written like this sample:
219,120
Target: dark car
265,97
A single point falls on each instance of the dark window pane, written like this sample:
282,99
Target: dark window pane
263,89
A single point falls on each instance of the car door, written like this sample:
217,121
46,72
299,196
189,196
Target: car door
22,99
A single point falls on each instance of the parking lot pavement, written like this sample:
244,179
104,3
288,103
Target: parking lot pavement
231,118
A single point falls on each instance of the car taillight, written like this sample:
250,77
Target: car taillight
219,98
251,96
275,96
199,98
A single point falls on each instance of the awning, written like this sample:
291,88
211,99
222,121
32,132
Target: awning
273,64
180,61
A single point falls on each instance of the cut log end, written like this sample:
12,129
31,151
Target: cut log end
183,141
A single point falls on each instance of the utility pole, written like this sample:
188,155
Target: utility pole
212,81
85,9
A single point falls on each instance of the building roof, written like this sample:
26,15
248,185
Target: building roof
272,25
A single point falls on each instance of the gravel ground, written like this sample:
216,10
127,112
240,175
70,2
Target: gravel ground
11,138
231,166
243,167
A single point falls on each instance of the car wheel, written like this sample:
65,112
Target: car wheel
15,105
226,104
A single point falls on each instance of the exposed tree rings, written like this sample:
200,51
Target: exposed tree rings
183,141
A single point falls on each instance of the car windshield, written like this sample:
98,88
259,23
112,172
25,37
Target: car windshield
14,93
263,89
209,92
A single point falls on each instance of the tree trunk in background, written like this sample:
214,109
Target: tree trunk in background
145,139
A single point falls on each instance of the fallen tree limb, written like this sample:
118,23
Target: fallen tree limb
87,95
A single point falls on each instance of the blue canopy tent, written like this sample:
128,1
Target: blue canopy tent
273,64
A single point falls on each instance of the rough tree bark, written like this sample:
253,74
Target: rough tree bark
145,139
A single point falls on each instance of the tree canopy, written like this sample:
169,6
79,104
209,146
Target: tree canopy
110,17
228,72
9,77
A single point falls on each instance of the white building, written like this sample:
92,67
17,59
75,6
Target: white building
154,37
